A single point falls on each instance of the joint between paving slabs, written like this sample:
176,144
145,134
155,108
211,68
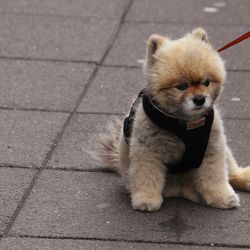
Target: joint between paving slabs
35,109
139,66
58,16
167,243
116,33
180,23
47,60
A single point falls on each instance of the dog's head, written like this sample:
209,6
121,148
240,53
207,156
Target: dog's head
185,76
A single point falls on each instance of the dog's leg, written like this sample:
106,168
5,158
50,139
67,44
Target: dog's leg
211,178
239,177
146,178
212,181
188,190
123,154
181,186
172,186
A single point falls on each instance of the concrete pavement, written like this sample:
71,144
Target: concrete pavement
66,69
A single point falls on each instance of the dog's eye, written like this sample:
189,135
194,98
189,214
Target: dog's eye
182,86
206,83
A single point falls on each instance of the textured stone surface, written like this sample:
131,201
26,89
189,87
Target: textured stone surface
193,12
77,8
238,135
133,36
54,37
78,140
77,204
42,85
13,183
27,136
113,90
65,244
235,101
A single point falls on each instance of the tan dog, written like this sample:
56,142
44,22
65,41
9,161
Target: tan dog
184,77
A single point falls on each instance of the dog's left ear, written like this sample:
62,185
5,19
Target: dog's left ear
200,34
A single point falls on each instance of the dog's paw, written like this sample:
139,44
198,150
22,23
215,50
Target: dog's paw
146,202
224,200
241,180
230,201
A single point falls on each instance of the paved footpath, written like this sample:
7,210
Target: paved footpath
67,68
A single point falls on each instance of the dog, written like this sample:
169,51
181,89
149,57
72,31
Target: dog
172,143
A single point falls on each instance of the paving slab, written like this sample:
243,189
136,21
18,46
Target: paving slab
77,8
77,244
58,38
191,11
13,183
79,139
237,131
234,101
95,205
132,39
113,90
42,85
27,136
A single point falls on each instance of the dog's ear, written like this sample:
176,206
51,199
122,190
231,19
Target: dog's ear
200,34
154,43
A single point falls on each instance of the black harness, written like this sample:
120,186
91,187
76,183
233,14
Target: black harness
195,134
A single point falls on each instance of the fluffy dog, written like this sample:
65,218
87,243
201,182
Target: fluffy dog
184,78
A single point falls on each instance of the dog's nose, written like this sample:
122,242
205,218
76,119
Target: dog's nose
199,100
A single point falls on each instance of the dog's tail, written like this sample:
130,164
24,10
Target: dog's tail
107,152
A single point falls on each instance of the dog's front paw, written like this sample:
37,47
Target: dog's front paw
222,199
146,202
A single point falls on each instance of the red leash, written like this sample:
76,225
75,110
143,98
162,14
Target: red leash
234,42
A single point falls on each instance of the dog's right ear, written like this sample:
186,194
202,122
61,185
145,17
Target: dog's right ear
200,34
154,43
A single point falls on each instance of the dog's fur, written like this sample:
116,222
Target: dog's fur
190,59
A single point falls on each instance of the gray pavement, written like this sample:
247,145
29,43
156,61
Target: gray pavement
66,69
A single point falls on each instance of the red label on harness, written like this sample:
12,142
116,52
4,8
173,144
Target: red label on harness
196,124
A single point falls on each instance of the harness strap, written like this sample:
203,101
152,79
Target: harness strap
128,121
